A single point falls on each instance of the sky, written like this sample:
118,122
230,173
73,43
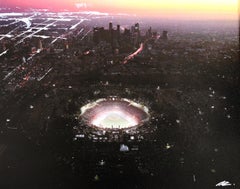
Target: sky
186,9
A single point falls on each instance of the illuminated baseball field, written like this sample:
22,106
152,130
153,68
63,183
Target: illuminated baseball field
114,113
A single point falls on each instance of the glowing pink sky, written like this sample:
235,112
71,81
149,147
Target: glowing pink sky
216,9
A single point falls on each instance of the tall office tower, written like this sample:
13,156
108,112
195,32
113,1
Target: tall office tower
164,35
110,26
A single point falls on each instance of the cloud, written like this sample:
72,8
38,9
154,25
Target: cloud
81,5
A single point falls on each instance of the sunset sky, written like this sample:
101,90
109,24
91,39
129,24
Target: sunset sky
192,9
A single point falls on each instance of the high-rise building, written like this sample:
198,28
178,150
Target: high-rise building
135,35
164,35
110,26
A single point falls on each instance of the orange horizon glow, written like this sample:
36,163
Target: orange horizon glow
187,9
